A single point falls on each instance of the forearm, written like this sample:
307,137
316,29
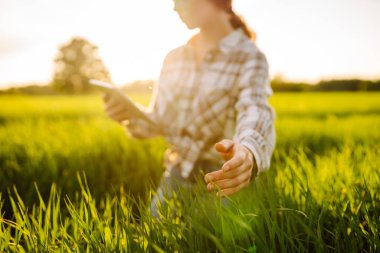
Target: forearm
255,116
260,144
141,129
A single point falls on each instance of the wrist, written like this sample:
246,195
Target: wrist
254,166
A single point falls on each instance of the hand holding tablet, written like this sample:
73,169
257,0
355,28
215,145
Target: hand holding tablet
118,104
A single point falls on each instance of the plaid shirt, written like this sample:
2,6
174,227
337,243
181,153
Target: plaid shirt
227,97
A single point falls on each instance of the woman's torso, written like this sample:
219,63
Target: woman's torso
200,101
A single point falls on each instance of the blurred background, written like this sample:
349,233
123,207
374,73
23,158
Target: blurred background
305,41
49,49
324,62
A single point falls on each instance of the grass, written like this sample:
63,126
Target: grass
73,180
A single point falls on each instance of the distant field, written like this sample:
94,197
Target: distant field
321,193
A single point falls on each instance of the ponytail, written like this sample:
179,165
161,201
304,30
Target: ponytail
236,20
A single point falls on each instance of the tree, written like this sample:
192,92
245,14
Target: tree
76,62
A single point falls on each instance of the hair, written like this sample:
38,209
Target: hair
236,21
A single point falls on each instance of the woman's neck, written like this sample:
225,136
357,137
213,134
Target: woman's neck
211,33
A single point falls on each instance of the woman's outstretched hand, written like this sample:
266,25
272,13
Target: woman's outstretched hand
235,173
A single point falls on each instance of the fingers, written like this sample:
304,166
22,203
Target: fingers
106,96
119,115
111,100
220,174
235,161
237,164
234,174
116,110
230,182
230,191
114,107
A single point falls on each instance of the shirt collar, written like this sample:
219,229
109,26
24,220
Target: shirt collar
225,44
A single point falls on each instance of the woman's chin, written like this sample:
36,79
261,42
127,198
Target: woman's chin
190,25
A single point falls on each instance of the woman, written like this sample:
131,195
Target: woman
210,103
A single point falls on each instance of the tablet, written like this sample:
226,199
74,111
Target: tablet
102,85
132,107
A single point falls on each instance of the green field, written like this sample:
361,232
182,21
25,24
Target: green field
72,180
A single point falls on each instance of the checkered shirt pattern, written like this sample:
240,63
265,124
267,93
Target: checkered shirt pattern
225,98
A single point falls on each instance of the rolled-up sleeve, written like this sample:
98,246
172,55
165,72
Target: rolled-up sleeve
255,116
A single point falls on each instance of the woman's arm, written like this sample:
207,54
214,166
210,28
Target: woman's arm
117,109
141,129
255,116
249,152
138,128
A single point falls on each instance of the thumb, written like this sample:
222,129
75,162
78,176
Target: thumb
106,96
225,147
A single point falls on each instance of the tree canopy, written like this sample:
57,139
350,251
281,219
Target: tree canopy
76,62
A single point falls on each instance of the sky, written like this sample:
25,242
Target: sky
303,40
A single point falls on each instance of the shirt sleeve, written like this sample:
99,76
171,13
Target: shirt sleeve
255,116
